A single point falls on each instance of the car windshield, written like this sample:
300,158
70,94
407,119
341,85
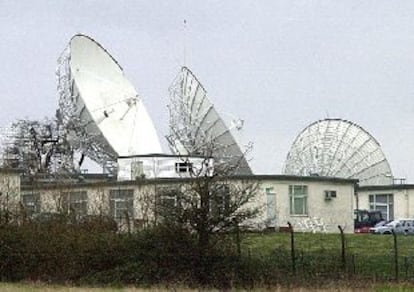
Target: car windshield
392,223
381,223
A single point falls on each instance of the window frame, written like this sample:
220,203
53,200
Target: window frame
75,202
373,204
220,202
293,196
118,197
32,206
183,167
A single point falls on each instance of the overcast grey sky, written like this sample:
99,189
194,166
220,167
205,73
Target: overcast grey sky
279,65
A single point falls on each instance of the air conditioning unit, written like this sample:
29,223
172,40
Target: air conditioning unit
329,195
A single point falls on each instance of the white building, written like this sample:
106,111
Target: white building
309,203
394,201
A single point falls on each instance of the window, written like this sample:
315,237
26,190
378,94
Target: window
168,199
220,200
298,199
75,202
183,167
137,169
271,206
31,203
383,203
121,204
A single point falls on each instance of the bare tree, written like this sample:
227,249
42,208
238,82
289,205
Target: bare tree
209,207
217,197
38,147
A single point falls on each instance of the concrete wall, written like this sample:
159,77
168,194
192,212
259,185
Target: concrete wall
9,191
403,199
322,215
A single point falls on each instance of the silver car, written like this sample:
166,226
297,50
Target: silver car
400,226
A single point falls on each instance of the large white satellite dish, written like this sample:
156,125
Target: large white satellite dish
338,148
102,111
197,129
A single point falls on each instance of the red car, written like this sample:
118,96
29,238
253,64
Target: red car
364,220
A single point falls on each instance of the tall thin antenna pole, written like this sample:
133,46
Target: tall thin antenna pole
184,41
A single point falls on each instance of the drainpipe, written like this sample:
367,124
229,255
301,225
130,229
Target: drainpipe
356,196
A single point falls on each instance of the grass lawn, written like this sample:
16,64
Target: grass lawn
364,244
369,265
28,287
367,255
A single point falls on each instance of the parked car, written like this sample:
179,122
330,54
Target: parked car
365,219
400,226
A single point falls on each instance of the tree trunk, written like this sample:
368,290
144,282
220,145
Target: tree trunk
203,234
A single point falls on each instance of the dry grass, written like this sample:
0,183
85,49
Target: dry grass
334,286
23,287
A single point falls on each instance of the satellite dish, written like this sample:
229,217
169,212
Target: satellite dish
338,148
100,105
197,129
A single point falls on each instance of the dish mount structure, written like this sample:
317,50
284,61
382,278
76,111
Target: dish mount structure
102,117
338,148
197,129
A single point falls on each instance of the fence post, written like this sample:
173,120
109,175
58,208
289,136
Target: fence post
406,267
292,248
343,258
353,264
395,255
249,273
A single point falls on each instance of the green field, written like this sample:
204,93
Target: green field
150,259
343,286
367,244
318,255
28,287
40,287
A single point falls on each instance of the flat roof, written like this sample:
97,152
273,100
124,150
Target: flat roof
163,155
386,187
110,182
296,178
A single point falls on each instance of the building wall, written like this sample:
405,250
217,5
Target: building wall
403,200
321,214
9,191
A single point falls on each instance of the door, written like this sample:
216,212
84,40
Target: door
271,207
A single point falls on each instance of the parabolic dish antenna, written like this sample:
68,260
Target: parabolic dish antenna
338,148
197,129
104,115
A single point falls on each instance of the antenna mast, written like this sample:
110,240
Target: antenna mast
184,41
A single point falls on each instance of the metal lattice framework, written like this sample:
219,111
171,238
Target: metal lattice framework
338,148
70,115
101,111
197,129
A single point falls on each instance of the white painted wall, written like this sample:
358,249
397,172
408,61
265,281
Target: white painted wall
403,200
9,190
330,214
